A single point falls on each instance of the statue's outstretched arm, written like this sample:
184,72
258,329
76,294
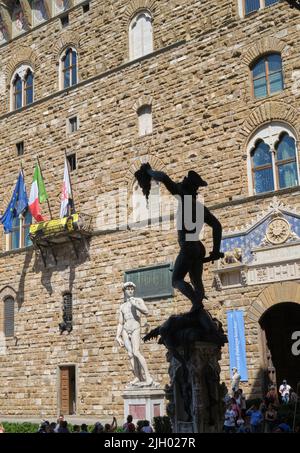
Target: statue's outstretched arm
160,176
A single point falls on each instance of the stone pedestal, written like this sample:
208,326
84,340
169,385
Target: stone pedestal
195,394
143,403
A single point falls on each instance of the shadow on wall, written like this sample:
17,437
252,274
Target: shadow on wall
21,287
258,387
61,258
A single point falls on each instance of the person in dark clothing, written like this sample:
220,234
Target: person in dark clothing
191,216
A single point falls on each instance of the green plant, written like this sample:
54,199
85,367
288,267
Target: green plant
162,424
25,427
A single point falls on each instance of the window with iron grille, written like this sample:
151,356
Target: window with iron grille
72,161
86,7
20,148
72,124
67,323
64,20
9,317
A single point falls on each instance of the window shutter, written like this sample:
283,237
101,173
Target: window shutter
147,35
145,120
9,317
137,39
68,312
154,201
141,39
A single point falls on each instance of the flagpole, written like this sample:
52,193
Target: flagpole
43,178
73,202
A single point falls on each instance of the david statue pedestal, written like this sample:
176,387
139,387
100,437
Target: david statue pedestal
142,397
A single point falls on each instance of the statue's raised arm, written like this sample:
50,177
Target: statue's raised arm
144,175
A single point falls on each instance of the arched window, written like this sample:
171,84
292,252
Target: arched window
267,77
69,68
250,6
145,120
9,317
143,210
28,87
262,168
22,87
18,92
273,162
140,35
286,163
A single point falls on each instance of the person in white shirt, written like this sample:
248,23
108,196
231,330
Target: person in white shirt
284,391
229,423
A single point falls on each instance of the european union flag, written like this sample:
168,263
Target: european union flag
18,204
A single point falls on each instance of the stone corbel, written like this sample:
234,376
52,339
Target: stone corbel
48,8
6,18
26,8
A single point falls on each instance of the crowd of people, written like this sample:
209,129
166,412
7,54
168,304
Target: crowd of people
262,416
62,426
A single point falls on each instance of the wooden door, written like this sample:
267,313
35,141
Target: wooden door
65,390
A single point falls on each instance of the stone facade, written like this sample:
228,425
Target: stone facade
198,83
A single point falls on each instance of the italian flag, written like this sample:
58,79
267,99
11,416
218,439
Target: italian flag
38,194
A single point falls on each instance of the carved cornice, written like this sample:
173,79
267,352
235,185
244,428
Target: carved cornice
275,207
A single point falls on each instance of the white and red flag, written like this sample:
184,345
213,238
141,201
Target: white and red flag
66,193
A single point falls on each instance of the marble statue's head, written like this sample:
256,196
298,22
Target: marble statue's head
129,289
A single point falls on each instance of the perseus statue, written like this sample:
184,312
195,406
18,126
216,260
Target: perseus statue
191,216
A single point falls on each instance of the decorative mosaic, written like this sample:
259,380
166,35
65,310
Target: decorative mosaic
255,235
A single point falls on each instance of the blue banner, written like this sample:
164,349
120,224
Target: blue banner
237,343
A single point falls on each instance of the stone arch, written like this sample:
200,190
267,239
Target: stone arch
23,55
67,39
265,113
138,5
142,100
8,291
272,295
155,162
262,47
